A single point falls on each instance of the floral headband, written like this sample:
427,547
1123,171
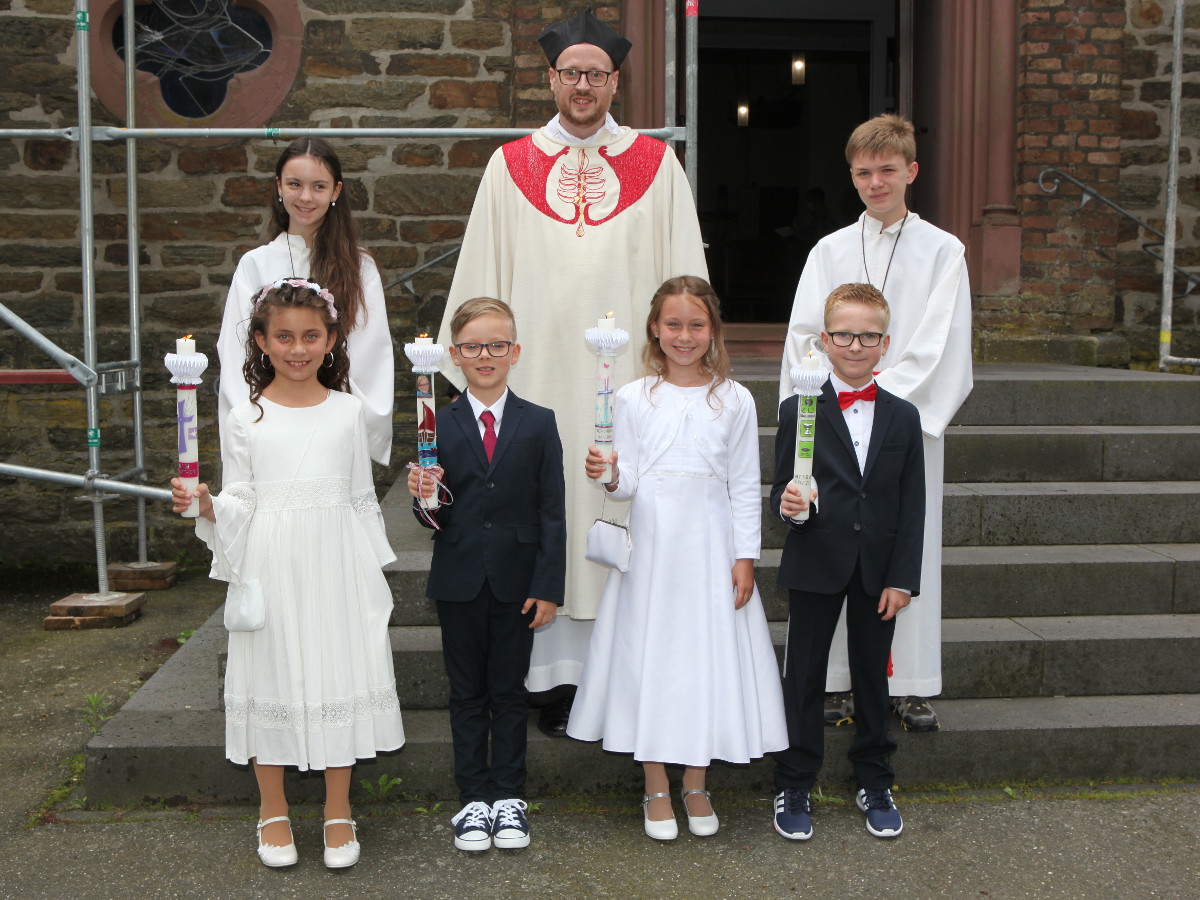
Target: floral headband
301,283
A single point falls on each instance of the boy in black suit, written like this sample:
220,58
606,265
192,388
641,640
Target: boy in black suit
499,563
861,544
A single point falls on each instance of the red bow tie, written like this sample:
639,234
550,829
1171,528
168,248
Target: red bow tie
846,398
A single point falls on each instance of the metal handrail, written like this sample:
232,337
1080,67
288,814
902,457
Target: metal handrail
1193,278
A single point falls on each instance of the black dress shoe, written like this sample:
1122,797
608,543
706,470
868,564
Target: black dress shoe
552,720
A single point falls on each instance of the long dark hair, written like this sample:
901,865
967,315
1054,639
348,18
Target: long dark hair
715,362
258,370
336,254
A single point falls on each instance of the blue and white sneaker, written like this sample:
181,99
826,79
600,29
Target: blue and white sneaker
883,819
793,814
473,826
510,828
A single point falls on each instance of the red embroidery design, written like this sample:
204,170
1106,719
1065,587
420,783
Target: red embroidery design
584,185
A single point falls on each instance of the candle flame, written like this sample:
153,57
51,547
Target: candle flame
609,314
423,334
187,337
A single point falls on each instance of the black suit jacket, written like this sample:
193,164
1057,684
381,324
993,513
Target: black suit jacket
875,519
508,519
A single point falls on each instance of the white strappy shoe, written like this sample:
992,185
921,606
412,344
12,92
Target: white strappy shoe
701,826
664,830
276,857
346,855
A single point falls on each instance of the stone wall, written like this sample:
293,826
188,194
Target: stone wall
365,63
1145,125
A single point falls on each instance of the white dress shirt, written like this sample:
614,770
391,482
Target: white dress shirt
497,408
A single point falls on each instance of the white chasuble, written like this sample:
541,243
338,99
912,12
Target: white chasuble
565,234
928,363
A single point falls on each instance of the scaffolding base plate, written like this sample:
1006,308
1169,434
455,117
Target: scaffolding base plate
121,606
142,576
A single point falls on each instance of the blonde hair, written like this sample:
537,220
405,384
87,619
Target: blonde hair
481,306
715,362
866,294
883,136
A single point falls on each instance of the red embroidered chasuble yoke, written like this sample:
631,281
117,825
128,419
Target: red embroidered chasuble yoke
583,186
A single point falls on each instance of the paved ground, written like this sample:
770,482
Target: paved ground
1067,842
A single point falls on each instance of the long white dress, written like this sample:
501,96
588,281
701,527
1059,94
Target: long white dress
314,687
369,345
674,673
928,364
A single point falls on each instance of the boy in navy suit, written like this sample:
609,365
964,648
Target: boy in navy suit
860,545
499,563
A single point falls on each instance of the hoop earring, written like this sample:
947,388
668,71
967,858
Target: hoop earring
328,365
266,361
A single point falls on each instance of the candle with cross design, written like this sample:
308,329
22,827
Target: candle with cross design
605,339
186,366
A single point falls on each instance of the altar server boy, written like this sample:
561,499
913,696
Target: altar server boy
860,546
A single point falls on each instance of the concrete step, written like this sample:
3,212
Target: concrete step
1036,395
1069,580
1055,512
1016,453
167,744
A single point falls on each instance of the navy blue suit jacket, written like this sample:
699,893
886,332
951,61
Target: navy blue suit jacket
875,519
507,523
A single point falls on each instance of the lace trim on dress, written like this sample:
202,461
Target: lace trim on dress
365,503
256,712
304,493
245,495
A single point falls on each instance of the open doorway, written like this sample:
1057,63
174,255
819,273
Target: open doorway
781,86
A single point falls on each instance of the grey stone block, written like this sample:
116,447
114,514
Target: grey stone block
1187,574
989,658
1056,581
1018,453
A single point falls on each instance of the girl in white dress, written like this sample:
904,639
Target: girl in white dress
297,518
311,235
681,668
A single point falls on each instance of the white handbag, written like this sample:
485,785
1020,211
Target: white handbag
609,543
245,607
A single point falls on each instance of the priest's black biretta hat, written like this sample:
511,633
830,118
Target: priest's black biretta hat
584,28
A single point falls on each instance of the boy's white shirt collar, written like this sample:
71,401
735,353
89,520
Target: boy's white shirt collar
840,386
872,224
497,408
555,130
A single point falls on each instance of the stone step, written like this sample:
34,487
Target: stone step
1055,512
1069,580
1017,453
177,755
1036,395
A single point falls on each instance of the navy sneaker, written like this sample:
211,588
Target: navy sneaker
473,826
883,819
793,814
510,828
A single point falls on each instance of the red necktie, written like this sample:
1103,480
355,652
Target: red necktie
489,432
846,398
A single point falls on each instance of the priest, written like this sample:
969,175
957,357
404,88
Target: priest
582,218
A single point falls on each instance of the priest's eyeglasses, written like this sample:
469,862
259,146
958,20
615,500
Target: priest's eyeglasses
595,77
846,338
495,349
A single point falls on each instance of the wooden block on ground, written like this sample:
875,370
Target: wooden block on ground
82,623
78,605
136,577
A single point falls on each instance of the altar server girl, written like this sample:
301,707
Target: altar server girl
681,668
312,236
297,524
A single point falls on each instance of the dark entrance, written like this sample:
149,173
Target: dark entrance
772,175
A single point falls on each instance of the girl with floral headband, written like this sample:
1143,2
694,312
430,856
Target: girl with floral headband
312,236
298,530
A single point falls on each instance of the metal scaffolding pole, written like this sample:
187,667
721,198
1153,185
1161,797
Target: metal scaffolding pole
1168,272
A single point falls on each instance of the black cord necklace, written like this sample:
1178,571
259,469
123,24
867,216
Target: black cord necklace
888,270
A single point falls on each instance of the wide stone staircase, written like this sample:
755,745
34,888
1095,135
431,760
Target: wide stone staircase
1071,639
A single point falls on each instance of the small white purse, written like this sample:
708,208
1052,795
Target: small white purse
245,607
609,543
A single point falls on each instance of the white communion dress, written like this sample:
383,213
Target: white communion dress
314,687
674,673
